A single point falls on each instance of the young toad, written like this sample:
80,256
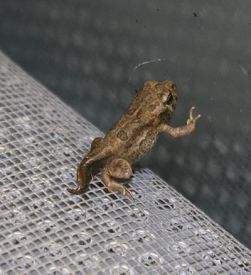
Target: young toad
133,136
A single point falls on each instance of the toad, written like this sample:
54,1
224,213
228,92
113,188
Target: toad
133,135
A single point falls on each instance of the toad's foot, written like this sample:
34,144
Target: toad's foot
83,178
192,119
115,186
76,191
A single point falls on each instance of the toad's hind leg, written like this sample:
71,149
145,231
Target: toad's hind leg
84,169
117,168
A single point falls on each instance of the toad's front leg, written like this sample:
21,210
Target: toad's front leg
183,130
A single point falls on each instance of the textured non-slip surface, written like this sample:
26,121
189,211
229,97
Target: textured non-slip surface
85,51
46,230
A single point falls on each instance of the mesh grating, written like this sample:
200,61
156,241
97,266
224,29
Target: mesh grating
46,230
86,57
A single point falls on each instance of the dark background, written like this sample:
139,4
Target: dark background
86,51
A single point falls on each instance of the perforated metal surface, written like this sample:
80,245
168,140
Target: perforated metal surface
46,230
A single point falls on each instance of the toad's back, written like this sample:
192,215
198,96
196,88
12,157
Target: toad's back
133,140
136,131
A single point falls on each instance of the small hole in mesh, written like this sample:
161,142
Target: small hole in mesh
164,204
177,229
99,184
176,225
113,196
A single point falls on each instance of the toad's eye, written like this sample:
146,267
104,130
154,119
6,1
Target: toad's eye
167,99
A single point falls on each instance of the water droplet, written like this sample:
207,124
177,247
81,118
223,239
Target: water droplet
184,269
3,150
140,214
111,226
121,269
106,205
29,140
23,121
17,237
180,247
117,248
37,184
56,270
24,262
83,237
67,151
137,194
217,261
53,249
208,257
211,237
9,194
66,173
76,214
143,236
46,225
44,204
151,259
18,216
199,231
90,262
